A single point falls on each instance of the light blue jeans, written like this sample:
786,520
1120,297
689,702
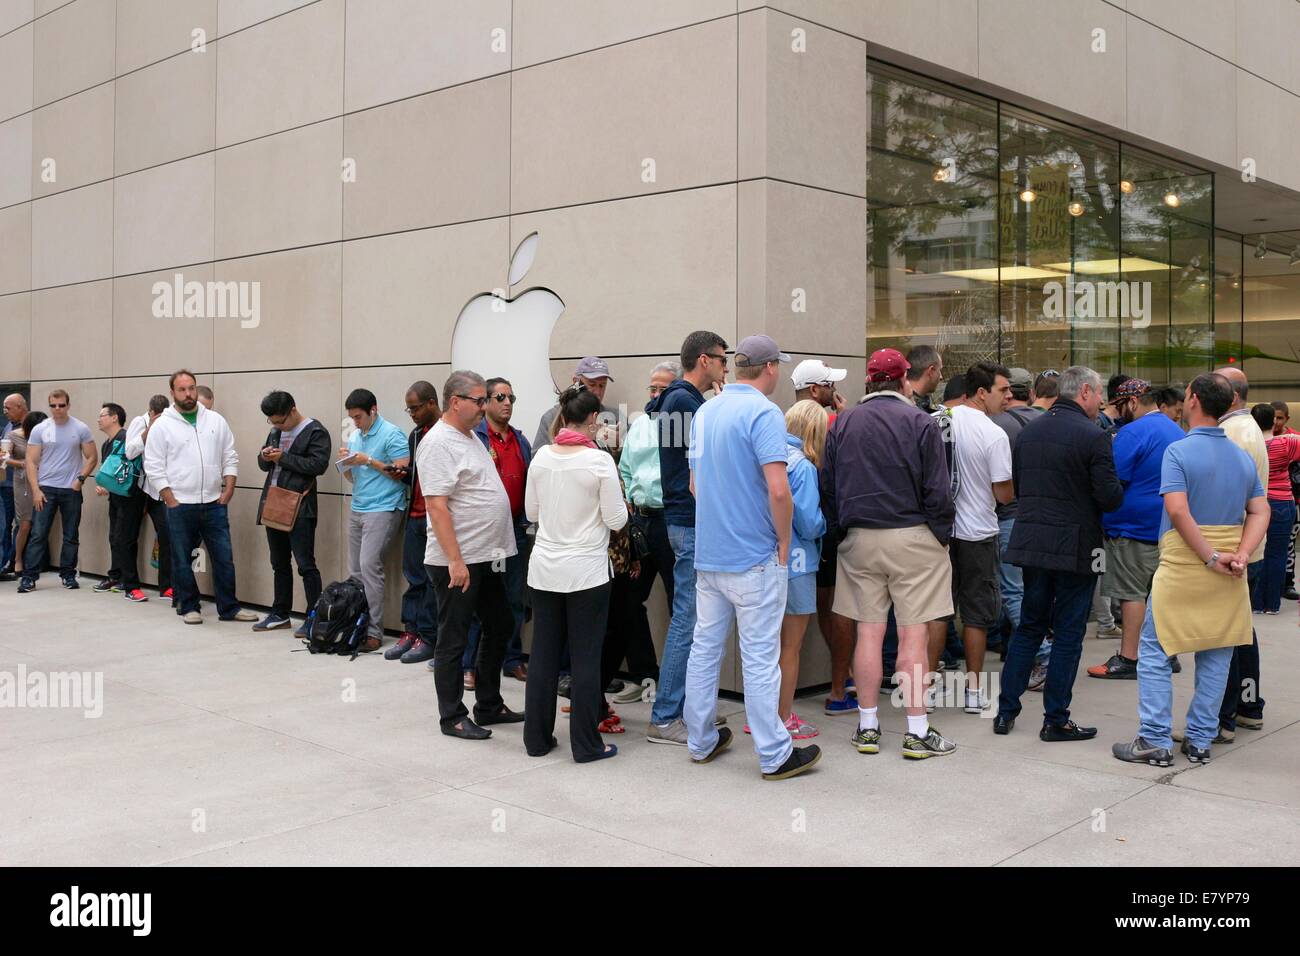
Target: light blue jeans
671,688
1156,693
755,599
1011,582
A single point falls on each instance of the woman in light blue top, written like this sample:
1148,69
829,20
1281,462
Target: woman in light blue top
805,424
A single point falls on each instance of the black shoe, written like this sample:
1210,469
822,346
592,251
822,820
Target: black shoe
419,652
6,575
724,741
1066,731
71,584
563,685
503,716
1291,594
272,622
1174,666
800,759
1117,668
468,730
1195,754
106,585
25,585
404,644
614,686
1002,725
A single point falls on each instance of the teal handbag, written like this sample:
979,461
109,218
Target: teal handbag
118,473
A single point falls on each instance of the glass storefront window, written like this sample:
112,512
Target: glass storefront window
1271,306
996,233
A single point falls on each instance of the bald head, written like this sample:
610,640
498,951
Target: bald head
1237,379
15,408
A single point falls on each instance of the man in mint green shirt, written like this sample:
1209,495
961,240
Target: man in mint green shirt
373,454
639,469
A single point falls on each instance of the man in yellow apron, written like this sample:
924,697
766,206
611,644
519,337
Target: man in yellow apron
1200,601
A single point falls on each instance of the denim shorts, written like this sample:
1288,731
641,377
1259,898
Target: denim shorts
801,595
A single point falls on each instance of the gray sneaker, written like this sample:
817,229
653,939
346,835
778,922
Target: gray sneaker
933,744
1139,751
673,732
1037,677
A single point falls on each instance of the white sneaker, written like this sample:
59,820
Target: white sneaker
977,701
633,693
192,617
931,695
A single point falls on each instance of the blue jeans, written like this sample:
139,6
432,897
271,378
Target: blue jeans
671,689
67,503
1268,594
516,581
1056,600
187,525
1011,581
1156,693
755,600
419,605
8,518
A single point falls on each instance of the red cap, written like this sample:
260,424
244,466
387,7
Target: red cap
886,365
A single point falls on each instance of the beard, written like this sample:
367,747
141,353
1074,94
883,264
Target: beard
187,405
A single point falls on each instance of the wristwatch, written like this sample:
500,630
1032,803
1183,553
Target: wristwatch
1214,559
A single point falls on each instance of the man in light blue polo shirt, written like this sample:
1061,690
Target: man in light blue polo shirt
743,511
374,454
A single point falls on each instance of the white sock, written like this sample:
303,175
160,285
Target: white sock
918,726
867,719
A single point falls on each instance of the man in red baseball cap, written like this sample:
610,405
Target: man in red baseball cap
894,524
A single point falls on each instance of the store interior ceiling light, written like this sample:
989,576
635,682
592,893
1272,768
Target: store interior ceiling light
1261,250
1105,266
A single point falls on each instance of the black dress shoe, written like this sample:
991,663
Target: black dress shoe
1002,725
468,730
1290,593
503,716
1066,731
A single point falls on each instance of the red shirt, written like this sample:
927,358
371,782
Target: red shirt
509,459
417,497
1282,450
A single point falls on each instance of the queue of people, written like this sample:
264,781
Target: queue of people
1017,506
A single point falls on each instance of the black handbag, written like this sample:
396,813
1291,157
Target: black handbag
640,543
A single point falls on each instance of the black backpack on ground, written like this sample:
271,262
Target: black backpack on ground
338,622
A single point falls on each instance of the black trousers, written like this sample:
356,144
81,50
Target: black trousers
638,645
125,515
486,597
157,512
301,544
578,617
625,618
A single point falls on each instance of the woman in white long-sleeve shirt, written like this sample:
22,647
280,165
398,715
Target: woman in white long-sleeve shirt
573,494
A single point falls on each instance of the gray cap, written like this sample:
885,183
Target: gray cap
1020,378
592,367
758,350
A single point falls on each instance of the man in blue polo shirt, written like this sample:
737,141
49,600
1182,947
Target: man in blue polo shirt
1133,530
374,458
743,511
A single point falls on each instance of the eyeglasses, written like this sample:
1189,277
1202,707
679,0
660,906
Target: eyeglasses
655,389
412,409
503,398
480,402
717,358
58,404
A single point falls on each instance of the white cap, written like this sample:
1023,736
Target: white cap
815,372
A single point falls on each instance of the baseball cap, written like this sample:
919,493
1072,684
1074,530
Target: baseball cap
758,350
886,365
1020,378
1133,388
592,367
815,372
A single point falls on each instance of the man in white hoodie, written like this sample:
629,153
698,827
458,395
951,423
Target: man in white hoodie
190,458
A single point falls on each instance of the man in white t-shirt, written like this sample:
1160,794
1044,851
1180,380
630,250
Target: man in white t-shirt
982,457
471,534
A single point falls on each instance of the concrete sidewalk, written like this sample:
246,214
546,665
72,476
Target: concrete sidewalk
220,746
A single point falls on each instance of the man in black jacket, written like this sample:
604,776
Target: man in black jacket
1064,479
885,489
296,453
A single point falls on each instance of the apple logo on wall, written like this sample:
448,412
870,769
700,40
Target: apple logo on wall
511,338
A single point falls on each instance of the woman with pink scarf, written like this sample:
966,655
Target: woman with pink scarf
574,495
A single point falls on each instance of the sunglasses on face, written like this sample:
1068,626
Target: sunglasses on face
58,404
480,402
502,397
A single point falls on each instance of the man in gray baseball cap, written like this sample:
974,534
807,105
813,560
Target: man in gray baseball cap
593,373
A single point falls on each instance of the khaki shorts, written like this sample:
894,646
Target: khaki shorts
906,567
1130,566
